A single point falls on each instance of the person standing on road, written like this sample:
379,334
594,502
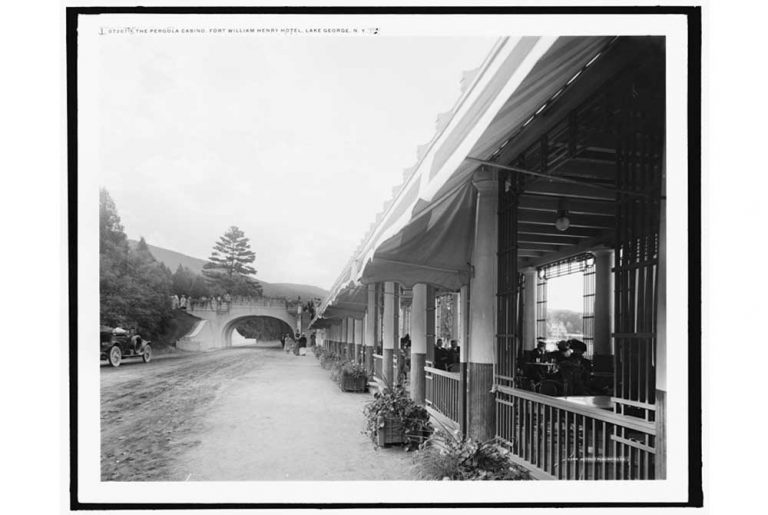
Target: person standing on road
183,302
302,345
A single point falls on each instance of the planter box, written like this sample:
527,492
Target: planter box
392,433
349,383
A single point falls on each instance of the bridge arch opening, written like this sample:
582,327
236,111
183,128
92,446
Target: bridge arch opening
249,329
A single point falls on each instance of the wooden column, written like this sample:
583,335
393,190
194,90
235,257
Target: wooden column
481,402
603,296
358,339
463,319
661,338
370,328
390,333
418,342
431,324
350,338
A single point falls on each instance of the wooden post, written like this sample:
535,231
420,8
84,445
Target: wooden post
358,333
370,328
390,334
418,342
350,338
463,317
660,461
603,295
481,420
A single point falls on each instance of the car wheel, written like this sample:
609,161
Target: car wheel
115,356
147,354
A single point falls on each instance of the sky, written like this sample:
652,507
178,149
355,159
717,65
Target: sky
298,141
566,292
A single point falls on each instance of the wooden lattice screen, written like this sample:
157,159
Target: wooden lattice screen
509,291
588,312
640,130
541,305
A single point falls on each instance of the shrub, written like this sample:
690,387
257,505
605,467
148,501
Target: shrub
447,455
318,351
328,360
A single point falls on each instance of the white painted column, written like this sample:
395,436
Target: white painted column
350,338
418,342
370,328
390,321
463,317
358,339
481,403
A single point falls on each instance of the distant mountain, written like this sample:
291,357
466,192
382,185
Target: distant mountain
173,259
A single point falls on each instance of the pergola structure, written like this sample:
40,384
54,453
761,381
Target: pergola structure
551,163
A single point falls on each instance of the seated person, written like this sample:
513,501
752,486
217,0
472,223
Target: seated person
441,355
539,354
453,353
579,349
570,370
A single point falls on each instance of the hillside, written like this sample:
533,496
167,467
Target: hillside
173,259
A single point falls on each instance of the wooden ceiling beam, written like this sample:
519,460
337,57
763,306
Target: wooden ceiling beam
546,188
602,241
547,239
529,254
537,246
577,219
572,232
575,206
582,169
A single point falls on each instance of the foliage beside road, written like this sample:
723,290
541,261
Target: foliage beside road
134,287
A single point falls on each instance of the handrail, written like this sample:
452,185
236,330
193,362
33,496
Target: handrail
596,413
436,371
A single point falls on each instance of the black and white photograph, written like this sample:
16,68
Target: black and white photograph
384,258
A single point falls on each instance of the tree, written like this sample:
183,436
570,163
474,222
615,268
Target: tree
229,267
187,282
134,288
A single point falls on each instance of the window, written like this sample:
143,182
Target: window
565,301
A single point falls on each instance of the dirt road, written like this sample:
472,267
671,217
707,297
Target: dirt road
245,413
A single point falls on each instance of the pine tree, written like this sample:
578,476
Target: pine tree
229,266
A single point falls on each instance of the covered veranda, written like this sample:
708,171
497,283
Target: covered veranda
551,164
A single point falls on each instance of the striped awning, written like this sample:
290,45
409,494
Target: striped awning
425,234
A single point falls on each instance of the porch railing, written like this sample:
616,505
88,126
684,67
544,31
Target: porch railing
558,439
442,392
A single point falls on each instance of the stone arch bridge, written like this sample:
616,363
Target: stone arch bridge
214,330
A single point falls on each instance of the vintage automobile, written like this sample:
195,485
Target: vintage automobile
118,343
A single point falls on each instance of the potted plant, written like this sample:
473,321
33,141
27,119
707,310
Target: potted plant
352,377
447,455
392,417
